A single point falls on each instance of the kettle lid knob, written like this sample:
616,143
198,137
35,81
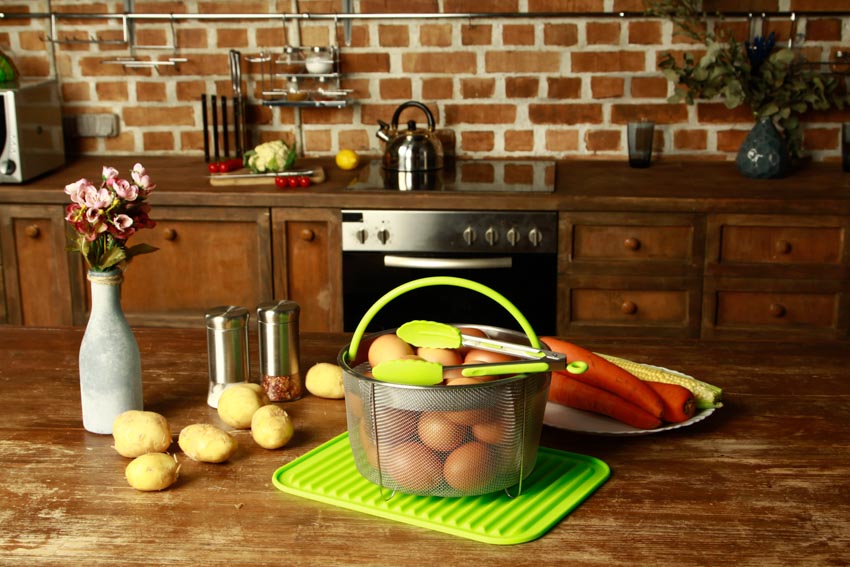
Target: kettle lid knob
411,125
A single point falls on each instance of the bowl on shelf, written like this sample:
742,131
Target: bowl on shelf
297,95
319,60
290,62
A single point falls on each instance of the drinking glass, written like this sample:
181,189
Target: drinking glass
640,142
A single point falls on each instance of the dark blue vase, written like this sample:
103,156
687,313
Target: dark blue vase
763,154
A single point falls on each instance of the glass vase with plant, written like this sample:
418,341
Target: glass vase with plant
774,82
104,217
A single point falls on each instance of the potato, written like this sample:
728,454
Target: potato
138,432
152,471
239,402
325,380
271,427
207,443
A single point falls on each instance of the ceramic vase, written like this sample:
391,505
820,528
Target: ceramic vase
764,153
110,365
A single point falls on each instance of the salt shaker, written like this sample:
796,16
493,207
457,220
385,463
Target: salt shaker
227,349
278,335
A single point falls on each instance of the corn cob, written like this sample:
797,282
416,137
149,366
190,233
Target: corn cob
705,395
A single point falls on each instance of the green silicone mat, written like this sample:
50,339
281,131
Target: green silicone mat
559,483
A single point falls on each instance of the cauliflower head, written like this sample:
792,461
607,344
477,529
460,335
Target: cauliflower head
270,157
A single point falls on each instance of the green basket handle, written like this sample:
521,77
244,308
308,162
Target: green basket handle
440,280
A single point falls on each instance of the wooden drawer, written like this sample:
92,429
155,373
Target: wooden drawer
631,243
756,307
42,283
629,306
788,245
208,256
308,264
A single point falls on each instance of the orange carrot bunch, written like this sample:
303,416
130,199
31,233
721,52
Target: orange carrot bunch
607,389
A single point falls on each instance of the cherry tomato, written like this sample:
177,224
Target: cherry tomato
293,181
213,167
281,182
223,166
304,181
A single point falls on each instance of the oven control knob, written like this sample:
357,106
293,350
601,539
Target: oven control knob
491,236
361,236
469,235
513,236
535,236
383,235
7,167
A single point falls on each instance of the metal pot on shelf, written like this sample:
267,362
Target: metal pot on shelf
413,157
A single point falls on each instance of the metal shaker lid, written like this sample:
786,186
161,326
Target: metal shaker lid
226,317
278,312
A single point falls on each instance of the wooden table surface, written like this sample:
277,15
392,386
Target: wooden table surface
763,481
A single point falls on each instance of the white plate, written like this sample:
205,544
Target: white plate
582,421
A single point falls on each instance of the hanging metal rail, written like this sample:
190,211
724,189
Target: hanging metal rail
392,16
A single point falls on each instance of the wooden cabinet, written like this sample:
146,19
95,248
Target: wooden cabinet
42,283
777,275
208,256
679,249
626,274
307,247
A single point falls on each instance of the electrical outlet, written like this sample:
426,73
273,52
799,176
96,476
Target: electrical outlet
92,125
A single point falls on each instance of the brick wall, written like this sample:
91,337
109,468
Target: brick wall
559,86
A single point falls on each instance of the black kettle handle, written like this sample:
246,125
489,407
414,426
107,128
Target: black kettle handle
418,105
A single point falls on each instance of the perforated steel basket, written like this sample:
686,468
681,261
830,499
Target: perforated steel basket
444,440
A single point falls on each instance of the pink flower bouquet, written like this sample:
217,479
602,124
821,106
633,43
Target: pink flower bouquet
104,217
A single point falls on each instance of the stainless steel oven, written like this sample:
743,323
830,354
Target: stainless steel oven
513,252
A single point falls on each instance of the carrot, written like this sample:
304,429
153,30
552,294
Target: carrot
679,402
567,391
608,376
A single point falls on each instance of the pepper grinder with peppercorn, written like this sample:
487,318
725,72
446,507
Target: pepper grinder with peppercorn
279,349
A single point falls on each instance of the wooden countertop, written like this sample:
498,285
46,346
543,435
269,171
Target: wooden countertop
763,481
581,185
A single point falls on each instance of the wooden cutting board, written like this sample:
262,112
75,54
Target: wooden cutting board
243,177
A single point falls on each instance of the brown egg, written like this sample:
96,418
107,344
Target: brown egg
467,469
444,356
354,403
388,347
438,432
463,380
493,432
479,355
453,374
415,467
472,332
468,417
369,447
396,426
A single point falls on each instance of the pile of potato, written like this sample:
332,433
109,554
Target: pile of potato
145,436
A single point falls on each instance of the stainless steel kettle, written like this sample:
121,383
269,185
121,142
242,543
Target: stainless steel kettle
414,149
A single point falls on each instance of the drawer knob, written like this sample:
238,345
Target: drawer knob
32,231
629,307
776,310
631,243
308,235
169,234
782,247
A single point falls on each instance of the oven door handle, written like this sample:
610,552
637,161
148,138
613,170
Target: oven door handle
393,261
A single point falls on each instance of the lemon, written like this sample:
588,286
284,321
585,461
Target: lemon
347,159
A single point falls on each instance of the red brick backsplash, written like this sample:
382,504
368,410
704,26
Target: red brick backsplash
561,86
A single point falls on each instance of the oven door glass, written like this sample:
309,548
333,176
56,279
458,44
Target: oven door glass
527,280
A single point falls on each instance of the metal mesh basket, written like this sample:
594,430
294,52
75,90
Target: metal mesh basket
444,440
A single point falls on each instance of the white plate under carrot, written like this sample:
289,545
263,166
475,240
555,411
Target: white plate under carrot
581,421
